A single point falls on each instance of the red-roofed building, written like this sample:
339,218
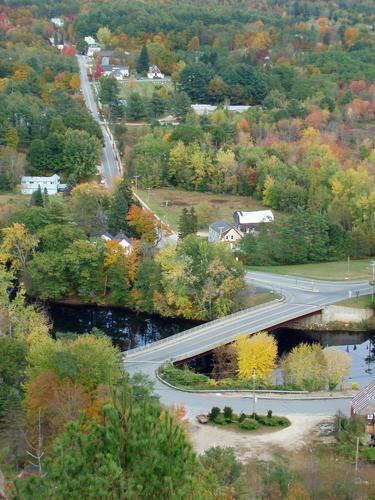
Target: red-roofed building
363,404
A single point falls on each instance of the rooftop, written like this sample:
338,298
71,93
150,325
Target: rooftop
220,226
255,217
364,398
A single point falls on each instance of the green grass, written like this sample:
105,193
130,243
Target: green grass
363,302
358,270
168,203
145,89
259,298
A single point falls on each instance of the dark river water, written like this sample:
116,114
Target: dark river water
128,329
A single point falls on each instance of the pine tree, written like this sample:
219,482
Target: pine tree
143,61
183,224
188,223
45,198
37,198
193,221
120,205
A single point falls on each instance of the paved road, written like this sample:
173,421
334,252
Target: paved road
110,166
301,296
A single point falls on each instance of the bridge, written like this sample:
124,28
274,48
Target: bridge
300,297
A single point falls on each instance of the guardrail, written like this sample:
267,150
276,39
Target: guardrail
193,330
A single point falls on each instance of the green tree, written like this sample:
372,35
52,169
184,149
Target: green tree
108,90
194,80
188,223
136,109
81,154
121,202
103,457
143,61
181,104
223,462
37,198
157,104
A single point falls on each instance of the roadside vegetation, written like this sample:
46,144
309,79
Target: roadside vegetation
251,363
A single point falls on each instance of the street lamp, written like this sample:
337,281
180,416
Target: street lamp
372,264
254,376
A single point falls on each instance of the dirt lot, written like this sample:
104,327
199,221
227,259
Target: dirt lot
258,445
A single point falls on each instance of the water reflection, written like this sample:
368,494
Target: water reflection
126,328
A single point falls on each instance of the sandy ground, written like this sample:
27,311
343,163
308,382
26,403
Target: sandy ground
247,445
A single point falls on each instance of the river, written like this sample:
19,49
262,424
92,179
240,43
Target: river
128,329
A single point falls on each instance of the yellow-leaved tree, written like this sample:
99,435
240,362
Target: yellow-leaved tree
256,354
337,366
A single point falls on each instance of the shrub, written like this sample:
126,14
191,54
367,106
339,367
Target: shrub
274,421
368,454
249,424
183,377
354,386
242,417
269,414
220,420
215,411
228,413
223,462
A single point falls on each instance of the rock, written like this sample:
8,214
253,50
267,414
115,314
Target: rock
202,419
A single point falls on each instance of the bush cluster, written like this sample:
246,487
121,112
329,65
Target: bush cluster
246,422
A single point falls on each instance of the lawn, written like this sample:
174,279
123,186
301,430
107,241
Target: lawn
358,270
168,203
144,88
363,302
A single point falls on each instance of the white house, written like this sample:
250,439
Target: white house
122,240
247,222
57,21
222,231
201,109
93,46
154,73
51,184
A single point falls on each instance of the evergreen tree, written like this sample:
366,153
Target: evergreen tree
188,223
157,104
181,104
37,198
120,205
143,61
136,109
45,197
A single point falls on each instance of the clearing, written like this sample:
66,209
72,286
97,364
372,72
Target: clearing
144,87
168,203
262,446
358,270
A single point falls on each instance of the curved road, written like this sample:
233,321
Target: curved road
301,297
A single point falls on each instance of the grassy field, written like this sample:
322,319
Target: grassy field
168,203
11,202
144,88
363,302
358,270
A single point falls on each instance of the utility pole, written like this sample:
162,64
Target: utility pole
348,266
136,181
254,376
372,264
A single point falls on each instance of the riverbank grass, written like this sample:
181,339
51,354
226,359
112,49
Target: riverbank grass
245,422
358,270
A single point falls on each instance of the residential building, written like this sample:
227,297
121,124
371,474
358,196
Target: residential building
222,231
122,239
363,404
201,109
154,73
93,46
52,184
247,222
57,21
